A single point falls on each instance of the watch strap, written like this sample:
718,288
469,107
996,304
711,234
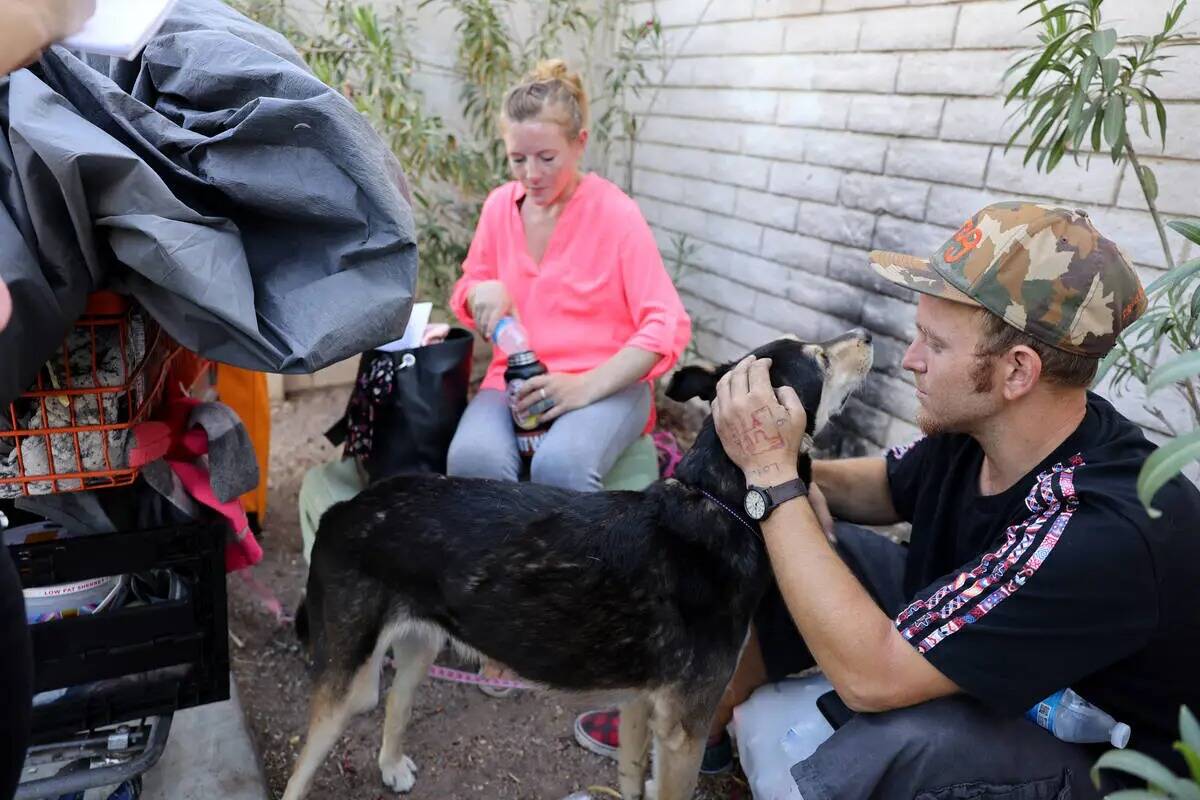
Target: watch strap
786,491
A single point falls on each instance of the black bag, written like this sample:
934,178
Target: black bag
406,406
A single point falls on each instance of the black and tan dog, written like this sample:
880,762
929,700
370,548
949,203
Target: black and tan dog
647,595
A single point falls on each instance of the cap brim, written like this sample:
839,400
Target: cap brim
916,274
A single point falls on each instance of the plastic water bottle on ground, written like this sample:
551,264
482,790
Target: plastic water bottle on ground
1072,719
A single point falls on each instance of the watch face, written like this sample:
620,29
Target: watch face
756,504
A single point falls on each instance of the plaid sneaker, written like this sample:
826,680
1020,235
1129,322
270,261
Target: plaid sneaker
599,732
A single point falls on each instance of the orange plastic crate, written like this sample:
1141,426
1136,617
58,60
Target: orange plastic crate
69,431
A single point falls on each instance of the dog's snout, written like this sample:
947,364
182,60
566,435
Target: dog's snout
862,334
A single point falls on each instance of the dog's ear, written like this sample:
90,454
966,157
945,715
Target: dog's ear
689,382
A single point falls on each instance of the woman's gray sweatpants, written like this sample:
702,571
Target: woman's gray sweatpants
577,452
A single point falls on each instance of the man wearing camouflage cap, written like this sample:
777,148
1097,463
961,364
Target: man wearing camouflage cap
1032,566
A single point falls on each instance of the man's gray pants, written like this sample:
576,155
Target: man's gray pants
953,748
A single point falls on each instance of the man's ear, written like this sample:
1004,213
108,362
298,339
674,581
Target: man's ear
689,382
1023,370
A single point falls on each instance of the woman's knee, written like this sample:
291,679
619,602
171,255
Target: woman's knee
469,457
565,466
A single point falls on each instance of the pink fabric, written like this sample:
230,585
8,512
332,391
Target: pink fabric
601,284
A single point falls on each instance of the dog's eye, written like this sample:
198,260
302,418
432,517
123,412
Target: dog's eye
825,359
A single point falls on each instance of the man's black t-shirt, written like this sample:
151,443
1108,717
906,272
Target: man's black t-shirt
1061,581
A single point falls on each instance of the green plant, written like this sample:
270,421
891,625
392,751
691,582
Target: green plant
365,53
1077,87
1161,782
1170,330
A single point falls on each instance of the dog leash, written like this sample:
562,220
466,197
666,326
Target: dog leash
458,676
732,513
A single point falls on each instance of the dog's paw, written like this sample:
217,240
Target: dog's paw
399,776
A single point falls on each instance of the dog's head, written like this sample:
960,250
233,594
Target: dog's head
823,374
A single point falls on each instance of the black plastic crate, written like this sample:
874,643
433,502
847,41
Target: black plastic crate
177,649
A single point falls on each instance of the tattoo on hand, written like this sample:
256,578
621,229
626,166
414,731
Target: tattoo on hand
757,439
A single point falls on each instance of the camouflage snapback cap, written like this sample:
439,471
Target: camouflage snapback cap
1045,270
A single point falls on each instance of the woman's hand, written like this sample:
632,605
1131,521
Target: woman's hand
550,396
490,302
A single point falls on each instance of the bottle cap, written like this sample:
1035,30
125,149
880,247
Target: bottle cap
1119,735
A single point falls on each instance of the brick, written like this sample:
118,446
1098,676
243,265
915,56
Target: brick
1131,401
1094,184
1177,182
814,110
851,5
742,105
767,209
727,38
805,252
930,28
850,266
835,224
896,396
857,151
828,33
773,142
748,332
1183,132
969,72
903,236
703,313
889,351
733,233
671,216
868,422
944,162
744,72
808,324
688,191
978,120
1179,79
829,296
994,24
710,134
687,12
906,115
735,169
751,270
897,196
1134,231
1138,17
890,316
717,348
766,9
805,181
952,205
723,293
854,72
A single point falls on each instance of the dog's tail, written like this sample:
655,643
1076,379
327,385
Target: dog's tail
302,621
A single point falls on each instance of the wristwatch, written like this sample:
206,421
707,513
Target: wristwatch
761,501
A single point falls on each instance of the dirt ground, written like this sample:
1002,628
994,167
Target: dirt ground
466,745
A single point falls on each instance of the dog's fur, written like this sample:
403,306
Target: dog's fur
647,594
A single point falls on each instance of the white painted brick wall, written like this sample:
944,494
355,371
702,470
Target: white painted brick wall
790,137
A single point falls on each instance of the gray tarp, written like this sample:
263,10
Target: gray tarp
245,204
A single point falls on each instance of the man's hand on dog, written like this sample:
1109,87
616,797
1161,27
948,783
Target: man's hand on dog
552,395
761,427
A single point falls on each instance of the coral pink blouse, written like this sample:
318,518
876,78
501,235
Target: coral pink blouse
601,284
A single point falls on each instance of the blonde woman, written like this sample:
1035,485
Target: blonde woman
570,254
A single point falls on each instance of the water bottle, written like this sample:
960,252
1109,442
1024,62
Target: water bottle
1071,718
523,364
